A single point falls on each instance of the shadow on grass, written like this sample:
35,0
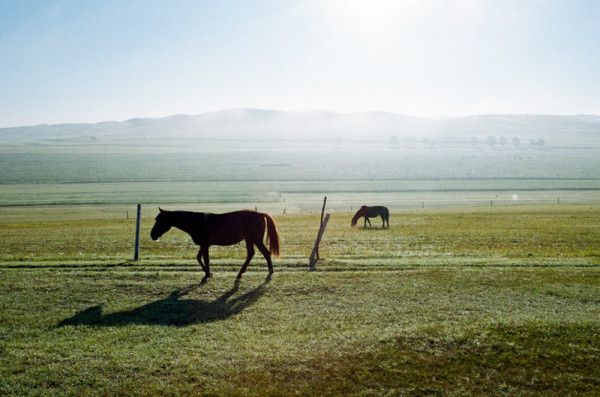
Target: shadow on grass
373,228
172,310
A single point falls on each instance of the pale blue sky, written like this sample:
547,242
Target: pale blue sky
86,61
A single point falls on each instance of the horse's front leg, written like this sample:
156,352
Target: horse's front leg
367,219
204,253
199,257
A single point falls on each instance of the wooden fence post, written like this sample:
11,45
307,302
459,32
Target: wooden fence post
321,223
136,253
312,261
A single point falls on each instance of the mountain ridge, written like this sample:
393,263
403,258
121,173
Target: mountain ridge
256,123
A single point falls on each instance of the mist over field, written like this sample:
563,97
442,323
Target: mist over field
245,124
250,157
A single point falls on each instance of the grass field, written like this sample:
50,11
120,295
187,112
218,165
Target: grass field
500,300
487,236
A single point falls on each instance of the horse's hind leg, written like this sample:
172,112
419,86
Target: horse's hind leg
249,255
267,254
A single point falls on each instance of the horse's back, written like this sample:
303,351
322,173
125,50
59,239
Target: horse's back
246,218
378,210
233,227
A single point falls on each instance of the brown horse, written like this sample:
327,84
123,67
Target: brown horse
222,229
372,212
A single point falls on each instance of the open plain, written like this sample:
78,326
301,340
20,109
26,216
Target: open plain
501,300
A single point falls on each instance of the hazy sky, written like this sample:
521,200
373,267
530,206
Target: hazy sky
73,61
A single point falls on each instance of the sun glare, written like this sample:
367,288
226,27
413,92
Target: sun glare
369,12
373,17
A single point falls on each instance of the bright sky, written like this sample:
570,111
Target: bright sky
86,61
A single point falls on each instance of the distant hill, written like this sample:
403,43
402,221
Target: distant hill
248,124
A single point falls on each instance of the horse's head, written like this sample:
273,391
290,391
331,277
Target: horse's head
362,211
162,224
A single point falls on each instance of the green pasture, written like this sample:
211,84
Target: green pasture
554,235
487,301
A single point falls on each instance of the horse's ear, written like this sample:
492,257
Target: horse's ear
161,210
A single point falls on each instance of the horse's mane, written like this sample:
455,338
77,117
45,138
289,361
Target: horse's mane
188,221
362,211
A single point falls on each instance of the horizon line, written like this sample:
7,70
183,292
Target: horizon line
242,108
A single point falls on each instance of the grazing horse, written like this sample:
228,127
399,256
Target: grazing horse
372,212
222,229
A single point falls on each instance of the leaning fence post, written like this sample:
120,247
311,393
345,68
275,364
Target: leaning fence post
321,223
323,209
312,261
136,253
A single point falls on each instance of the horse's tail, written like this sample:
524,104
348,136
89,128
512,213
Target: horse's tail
272,235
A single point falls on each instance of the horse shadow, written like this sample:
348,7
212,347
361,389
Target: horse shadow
172,310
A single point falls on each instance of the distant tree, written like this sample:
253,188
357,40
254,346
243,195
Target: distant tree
338,142
516,141
474,141
537,143
491,140
393,140
503,141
